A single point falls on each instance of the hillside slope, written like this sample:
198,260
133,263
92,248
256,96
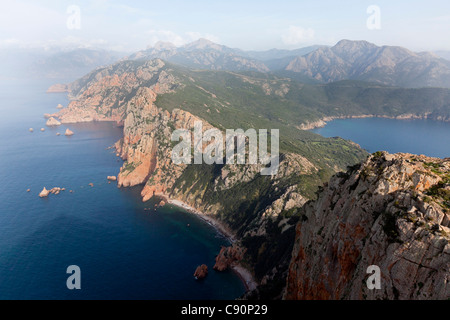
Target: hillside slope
392,211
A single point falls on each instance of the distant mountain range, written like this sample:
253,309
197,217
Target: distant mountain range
361,60
347,60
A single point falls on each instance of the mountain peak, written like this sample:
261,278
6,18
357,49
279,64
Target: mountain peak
352,44
202,44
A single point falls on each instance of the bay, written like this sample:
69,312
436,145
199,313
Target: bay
428,137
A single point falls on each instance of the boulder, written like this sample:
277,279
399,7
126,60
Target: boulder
44,193
31,130
60,106
112,178
68,133
201,272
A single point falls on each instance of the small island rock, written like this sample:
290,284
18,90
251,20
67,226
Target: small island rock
68,133
44,193
201,272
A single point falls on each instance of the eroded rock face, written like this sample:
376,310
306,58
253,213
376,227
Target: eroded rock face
392,212
228,257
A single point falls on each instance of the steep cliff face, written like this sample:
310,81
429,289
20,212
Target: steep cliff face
393,211
104,95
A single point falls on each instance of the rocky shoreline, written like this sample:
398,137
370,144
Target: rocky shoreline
324,121
243,273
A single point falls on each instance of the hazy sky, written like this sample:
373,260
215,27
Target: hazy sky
250,25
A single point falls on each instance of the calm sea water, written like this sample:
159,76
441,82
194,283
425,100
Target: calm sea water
123,250
428,137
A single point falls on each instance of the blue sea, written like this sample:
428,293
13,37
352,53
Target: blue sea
428,137
123,250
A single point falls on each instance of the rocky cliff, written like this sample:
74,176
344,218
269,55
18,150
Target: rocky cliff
393,211
259,210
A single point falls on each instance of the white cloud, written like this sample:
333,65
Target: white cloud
192,36
297,35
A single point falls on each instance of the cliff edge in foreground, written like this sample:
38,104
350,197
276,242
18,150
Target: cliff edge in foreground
393,211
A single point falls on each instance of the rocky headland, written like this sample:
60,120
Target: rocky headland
321,247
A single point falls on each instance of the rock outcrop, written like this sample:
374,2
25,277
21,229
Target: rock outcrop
228,257
52,122
201,272
58,88
112,178
393,212
44,193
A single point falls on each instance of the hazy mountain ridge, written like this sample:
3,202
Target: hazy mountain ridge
361,60
55,63
347,60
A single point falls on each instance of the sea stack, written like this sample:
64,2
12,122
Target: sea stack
52,122
44,193
68,133
201,272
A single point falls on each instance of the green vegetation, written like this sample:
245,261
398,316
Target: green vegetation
130,167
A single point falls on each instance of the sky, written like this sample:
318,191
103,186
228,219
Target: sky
245,24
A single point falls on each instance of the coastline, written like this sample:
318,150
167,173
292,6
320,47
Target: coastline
324,121
244,274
